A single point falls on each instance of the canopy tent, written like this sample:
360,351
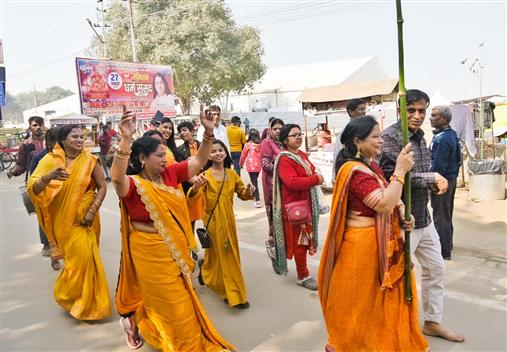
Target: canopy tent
342,92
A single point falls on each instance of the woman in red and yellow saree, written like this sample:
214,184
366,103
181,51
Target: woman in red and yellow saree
67,189
155,295
360,286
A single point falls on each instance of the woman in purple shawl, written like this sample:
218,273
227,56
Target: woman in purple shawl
270,148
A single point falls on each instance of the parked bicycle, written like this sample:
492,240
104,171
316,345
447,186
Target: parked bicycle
7,158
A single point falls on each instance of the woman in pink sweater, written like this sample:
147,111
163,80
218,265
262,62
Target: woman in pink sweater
251,161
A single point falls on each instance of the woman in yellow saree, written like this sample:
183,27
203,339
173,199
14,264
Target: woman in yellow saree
155,295
360,286
67,189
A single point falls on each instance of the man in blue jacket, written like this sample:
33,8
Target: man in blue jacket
445,159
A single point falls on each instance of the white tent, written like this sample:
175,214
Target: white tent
438,98
279,88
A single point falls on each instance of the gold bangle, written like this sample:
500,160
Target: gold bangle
397,178
125,152
207,138
120,156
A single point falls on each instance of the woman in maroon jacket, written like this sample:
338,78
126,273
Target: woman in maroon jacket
295,180
270,148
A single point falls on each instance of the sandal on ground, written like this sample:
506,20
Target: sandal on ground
134,340
55,264
242,305
308,283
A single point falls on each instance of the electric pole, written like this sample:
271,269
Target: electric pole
102,12
102,38
132,34
476,67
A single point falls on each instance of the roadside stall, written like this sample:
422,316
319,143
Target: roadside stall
330,102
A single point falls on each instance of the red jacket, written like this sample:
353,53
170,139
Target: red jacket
294,182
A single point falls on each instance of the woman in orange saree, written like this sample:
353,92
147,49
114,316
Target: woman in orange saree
155,295
67,189
360,286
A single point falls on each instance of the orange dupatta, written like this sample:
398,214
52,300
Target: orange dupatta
390,243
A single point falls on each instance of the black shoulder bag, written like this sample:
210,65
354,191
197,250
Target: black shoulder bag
203,234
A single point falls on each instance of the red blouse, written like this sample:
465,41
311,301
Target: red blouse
172,176
362,185
295,183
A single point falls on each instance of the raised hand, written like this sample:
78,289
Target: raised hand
207,121
127,124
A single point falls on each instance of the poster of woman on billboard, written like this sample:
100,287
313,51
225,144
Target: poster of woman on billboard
162,95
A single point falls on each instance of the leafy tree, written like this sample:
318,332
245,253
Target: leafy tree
16,104
11,111
211,55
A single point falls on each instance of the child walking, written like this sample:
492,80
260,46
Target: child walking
251,160
221,267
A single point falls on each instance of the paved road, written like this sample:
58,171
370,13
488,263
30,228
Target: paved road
283,316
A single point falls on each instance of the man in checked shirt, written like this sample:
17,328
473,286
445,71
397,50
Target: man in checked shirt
425,243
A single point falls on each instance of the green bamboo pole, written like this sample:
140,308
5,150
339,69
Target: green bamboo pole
404,129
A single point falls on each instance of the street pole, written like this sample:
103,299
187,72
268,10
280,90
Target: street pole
132,34
34,99
481,111
104,49
306,127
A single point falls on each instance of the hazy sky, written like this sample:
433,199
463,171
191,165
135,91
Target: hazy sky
41,39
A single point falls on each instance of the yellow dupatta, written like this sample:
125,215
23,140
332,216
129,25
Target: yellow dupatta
62,203
389,241
163,203
169,156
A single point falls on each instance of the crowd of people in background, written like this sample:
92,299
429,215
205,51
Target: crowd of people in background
362,262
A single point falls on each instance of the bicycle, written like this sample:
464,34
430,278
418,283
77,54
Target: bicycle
7,159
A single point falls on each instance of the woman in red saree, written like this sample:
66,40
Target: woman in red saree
360,286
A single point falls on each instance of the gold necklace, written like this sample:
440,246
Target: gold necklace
147,177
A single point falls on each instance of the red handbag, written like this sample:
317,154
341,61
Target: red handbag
299,212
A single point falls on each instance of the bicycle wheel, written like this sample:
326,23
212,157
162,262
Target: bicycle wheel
8,161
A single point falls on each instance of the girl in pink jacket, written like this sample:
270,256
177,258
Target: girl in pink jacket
251,161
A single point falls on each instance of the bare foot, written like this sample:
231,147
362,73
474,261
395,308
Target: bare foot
434,329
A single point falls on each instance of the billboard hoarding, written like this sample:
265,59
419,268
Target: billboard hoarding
106,86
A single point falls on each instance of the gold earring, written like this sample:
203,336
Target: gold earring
142,164
358,154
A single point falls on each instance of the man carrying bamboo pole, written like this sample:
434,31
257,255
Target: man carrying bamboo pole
425,243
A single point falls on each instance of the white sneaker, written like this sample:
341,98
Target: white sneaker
258,204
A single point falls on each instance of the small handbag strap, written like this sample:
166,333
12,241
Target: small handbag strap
218,197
